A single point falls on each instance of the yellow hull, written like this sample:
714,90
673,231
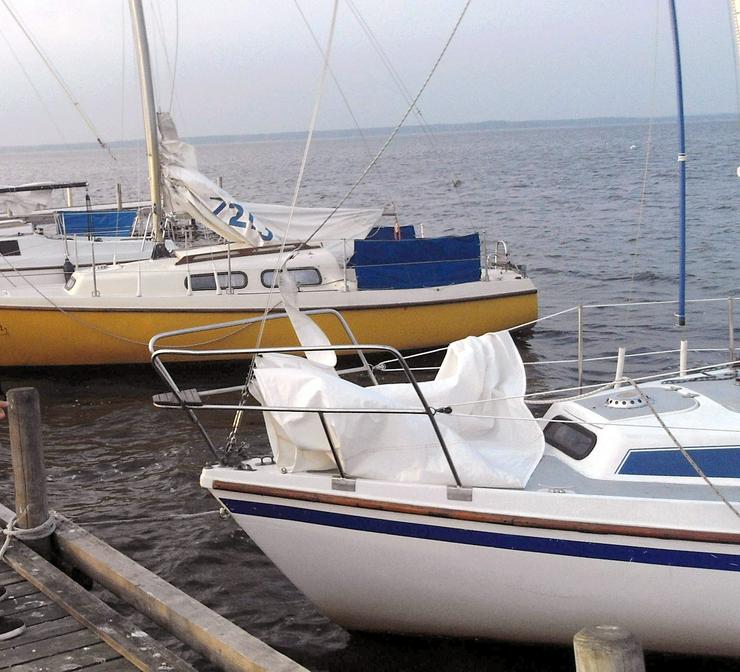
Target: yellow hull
49,337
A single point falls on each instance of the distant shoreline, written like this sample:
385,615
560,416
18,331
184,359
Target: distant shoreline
382,131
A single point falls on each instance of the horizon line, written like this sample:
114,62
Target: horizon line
227,138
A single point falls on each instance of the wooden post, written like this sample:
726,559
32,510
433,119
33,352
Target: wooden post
27,455
607,648
119,197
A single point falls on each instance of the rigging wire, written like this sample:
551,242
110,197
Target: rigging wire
734,12
123,68
406,95
59,78
352,115
176,54
393,134
646,168
230,442
33,86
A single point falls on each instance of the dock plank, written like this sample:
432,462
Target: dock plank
70,660
49,612
117,665
118,634
47,648
41,631
20,589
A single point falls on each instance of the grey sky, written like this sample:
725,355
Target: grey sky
250,66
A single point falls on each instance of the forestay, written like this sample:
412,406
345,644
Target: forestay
192,192
494,442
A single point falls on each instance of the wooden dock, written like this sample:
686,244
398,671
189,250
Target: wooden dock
69,628
54,640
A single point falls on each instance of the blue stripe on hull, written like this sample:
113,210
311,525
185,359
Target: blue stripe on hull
714,462
514,542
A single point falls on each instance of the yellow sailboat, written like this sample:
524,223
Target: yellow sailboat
389,285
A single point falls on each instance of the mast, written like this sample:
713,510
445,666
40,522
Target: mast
150,114
681,315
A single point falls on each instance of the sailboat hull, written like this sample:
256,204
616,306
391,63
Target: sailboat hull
438,570
54,335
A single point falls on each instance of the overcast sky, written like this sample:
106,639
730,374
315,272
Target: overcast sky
251,66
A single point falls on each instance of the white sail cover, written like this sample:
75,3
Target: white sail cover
19,202
498,450
192,192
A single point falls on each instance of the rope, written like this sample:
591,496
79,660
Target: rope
231,439
406,95
52,118
395,131
58,77
345,100
27,534
645,172
149,519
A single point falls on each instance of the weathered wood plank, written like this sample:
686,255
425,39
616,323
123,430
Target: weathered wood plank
28,653
8,578
26,603
213,636
116,665
71,660
49,612
20,589
124,637
41,631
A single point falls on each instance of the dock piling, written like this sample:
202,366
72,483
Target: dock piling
27,456
607,648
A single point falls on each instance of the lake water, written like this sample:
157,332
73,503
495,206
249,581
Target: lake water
567,200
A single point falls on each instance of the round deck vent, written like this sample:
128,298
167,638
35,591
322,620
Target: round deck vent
629,399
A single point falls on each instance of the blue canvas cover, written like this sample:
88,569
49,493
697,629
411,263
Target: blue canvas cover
389,232
417,262
97,222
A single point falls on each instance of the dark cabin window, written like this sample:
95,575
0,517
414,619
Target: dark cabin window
203,282
572,439
9,248
301,276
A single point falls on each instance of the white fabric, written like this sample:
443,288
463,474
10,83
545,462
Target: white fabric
190,191
500,451
308,332
14,203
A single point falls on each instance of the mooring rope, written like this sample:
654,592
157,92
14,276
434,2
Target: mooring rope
28,533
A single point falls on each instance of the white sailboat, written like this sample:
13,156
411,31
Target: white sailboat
39,246
446,508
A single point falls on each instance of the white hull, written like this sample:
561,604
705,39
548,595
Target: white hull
398,572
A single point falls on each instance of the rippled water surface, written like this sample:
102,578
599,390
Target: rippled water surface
568,201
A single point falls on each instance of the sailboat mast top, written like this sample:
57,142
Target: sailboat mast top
150,115
681,315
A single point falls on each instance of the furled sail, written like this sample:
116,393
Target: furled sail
192,192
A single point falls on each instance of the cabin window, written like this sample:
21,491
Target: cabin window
302,277
570,438
203,282
9,248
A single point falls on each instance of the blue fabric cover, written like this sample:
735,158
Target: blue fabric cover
97,222
417,262
389,232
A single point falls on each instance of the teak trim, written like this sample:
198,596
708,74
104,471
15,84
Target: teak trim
480,517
